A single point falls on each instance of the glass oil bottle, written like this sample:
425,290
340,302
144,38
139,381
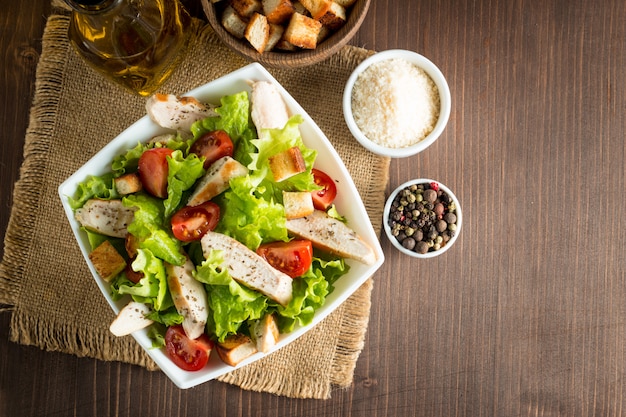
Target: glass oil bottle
136,43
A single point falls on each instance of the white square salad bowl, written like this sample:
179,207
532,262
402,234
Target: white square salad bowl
348,203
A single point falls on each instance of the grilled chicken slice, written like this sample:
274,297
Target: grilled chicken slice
189,297
269,110
266,333
332,235
248,268
216,180
107,217
130,319
178,113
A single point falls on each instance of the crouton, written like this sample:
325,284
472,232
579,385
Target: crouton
233,23
246,8
345,3
235,348
107,261
287,164
128,183
297,204
325,32
317,8
302,31
299,8
258,32
334,18
283,45
277,11
276,34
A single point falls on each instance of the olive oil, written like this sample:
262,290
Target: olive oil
136,43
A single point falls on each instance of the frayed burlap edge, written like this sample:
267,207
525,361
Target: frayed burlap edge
49,78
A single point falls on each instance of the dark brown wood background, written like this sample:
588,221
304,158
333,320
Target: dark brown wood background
524,316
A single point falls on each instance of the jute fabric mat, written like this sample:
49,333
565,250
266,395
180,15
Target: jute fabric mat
44,281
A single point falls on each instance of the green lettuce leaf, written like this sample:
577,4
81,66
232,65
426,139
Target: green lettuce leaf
152,230
101,187
234,119
251,219
152,288
309,293
230,303
182,175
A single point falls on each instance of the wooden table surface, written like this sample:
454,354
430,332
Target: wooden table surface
524,316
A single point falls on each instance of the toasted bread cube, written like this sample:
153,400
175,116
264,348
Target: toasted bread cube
278,11
325,32
302,31
233,23
345,3
107,261
299,8
287,164
258,32
235,348
335,17
317,8
297,204
246,8
276,34
128,184
283,45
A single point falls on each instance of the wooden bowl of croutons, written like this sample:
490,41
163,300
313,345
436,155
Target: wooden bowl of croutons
286,33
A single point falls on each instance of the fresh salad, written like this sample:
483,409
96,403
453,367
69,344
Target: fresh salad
181,264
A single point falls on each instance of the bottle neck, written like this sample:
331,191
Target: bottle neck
92,6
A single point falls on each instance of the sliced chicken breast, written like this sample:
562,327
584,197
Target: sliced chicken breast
107,217
332,235
248,268
178,113
130,319
216,180
189,297
269,110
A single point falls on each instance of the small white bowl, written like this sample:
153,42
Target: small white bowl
430,253
444,96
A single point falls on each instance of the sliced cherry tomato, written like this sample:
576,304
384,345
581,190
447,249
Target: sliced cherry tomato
191,223
213,146
153,171
322,199
293,258
188,354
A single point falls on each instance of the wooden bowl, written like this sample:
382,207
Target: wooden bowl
289,59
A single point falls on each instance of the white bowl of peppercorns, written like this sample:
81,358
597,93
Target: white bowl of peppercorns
422,218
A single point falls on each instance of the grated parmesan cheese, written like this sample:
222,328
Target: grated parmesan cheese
395,103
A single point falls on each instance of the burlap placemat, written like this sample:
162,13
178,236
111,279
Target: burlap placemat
54,302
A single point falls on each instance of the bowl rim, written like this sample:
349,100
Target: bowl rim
444,96
312,135
296,59
398,245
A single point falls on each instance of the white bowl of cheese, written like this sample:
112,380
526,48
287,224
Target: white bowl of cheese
396,103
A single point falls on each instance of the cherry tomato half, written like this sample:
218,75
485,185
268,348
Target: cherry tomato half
322,199
191,223
213,146
293,258
188,354
153,171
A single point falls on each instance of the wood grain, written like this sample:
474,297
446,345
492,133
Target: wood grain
524,316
